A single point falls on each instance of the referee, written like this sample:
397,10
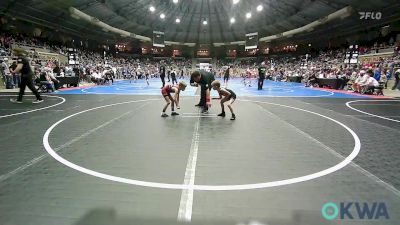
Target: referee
25,69
204,79
162,74
261,75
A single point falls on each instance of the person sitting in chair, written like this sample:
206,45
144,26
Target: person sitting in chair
46,80
97,78
53,79
372,83
312,80
360,81
108,75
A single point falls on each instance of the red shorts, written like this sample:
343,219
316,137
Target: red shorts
166,91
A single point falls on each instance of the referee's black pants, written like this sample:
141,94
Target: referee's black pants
260,83
27,82
162,80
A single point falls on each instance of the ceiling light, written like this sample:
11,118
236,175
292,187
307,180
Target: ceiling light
205,22
259,8
152,9
233,20
162,16
177,20
248,15
175,1
235,1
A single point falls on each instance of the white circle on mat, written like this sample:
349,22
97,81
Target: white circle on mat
34,110
270,89
342,164
370,114
117,91
330,93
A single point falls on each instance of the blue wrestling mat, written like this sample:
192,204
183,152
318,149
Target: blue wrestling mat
270,89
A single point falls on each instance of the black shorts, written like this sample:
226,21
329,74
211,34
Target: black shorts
226,78
233,96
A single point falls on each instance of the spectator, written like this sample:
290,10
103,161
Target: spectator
46,80
377,74
312,80
371,82
97,78
53,79
6,74
360,81
396,85
342,80
16,76
57,70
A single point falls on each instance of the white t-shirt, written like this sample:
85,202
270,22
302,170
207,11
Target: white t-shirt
364,79
105,72
372,82
96,75
6,69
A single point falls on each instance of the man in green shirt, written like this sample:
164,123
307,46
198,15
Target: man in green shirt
204,79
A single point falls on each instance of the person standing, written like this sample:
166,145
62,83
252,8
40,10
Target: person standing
226,95
162,75
169,74
204,79
24,68
5,71
147,75
377,74
182,74
16,77
396,85
261,75
228,72
173,76
166,92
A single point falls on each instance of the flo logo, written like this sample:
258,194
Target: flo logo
355,210
370,15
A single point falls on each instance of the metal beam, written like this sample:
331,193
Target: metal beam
200,22
190,22
221,28
210,23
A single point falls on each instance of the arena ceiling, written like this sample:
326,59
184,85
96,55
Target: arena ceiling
135,16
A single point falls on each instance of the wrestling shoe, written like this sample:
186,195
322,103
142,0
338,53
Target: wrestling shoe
15,101
221,114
